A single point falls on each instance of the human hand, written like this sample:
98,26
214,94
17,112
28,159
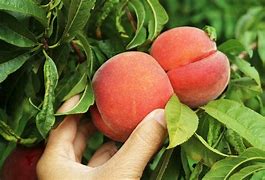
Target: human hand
66,144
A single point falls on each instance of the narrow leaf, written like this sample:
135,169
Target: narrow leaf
78,88
223,169
182,122
258,176
12,65
214,132
247,171
208,146
235,140
196,172
161,168
12,37
45,118
66,84
79,12
21,115
27,7
10,32
84,103
88,51
246,122
232,46
198,150
247,69
106,9
158,18
8,134
140,34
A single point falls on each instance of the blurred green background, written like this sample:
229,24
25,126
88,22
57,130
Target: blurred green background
221,14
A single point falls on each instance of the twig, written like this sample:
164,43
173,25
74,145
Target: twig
98,33
131,19
45,44
80,55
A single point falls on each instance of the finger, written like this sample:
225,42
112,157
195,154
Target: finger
142,144
66,131
84,131
103,154
69,104
62,138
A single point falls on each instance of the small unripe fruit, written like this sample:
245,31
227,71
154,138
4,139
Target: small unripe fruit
128,87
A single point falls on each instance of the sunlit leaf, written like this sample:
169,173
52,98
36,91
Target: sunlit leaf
182,122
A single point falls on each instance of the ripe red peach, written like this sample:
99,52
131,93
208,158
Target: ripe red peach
128,87
197,71
21,164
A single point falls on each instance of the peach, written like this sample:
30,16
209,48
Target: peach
21,164
127,87
197,71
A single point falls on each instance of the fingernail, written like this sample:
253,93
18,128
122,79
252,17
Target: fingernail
159,116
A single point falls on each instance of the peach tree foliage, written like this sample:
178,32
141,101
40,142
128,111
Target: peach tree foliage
51,49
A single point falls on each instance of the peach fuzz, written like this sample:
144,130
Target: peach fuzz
197,71
202,81
128,87
180,46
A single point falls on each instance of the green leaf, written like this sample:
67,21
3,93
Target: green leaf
196,172
172,172
182,122
223,169
163,163
258,176
242,89
235,140
247,171
185,162
88,51
27,7
214,132
79,13
107,8
78,88
140,34
246,122
120,11
66,84
21,115
158,18
247,69
10,32
8,134
232,46
198,150
45,118
12,37
12,65
84,103
261,45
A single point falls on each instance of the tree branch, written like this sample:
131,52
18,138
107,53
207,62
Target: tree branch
80,55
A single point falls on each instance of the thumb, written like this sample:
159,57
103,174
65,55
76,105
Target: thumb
143,143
